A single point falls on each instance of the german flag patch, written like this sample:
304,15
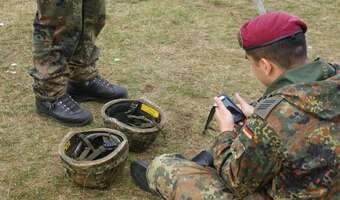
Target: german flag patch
248,132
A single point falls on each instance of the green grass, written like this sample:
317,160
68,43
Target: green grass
178,53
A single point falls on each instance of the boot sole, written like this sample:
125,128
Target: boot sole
69,124
136,177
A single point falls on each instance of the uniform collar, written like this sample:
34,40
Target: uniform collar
314,71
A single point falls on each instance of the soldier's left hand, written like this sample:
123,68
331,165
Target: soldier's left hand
246,108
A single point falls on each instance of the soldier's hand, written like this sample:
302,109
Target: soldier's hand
224,118
246,108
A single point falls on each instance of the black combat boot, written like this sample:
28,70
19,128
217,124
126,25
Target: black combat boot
204,158
65,110
97,89
138,170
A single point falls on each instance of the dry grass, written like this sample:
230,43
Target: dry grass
179,53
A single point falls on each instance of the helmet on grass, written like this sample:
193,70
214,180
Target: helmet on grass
93,158
140,120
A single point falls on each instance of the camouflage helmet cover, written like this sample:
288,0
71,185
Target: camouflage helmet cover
95,167
140,120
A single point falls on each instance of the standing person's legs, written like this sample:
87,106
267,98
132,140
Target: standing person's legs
85,83
83,62
57,30
176,178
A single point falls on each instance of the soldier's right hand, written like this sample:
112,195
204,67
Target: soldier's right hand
223,116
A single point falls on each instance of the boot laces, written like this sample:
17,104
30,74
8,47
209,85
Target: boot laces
68,103
102,82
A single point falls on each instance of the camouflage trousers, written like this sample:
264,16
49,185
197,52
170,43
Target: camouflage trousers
64,44
175,178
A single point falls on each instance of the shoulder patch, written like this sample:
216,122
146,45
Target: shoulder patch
265,106
247,132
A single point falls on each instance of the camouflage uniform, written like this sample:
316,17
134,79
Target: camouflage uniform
288,149
64,44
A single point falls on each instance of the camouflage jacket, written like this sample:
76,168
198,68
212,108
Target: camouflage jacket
289,148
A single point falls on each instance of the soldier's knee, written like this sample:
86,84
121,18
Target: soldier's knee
165,162
167,159
161,160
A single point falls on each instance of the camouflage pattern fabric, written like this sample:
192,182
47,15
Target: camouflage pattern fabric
290,151
64,44
97,173
174,177
114,117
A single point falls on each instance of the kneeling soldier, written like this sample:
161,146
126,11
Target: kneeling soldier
288,147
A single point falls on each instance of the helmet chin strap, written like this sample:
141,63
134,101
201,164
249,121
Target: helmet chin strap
96,153
210,117
90,152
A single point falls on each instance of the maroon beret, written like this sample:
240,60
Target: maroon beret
269,28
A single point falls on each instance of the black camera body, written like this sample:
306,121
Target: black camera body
234,109
237,113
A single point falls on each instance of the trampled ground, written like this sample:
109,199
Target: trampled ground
178,53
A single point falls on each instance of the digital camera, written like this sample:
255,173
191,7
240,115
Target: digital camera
237,113
233,108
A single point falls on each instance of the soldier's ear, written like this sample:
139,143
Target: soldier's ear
266,66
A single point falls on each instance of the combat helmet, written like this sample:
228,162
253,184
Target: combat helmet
140,120
94,158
